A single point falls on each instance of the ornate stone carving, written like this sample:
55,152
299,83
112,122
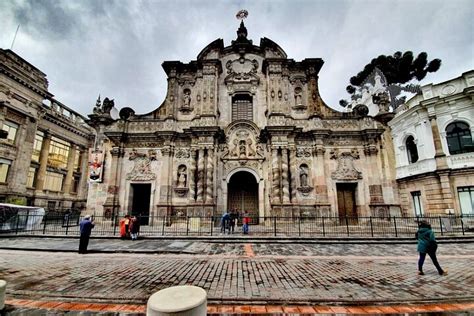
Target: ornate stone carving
242,142
242,75
141,170
182,153
305,191
303,152
345,165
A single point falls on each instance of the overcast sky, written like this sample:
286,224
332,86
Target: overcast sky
115,48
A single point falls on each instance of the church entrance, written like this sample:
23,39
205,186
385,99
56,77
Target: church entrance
243,194
346,201
140,197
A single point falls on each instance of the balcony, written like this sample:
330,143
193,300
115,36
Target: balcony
419,167
461,161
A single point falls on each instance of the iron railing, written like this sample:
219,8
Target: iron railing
68,224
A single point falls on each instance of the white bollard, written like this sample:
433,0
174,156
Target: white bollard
3,288
183,300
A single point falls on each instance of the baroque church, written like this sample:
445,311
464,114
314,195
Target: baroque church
243,127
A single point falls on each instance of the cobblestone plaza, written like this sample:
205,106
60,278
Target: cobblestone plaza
235,273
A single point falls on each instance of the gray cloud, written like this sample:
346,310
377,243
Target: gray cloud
116,48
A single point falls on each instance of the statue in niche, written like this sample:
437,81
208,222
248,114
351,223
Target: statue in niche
304,175
298,96
242,149
182,176
187,98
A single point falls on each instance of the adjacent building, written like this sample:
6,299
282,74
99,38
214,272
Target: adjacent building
434,150
43,159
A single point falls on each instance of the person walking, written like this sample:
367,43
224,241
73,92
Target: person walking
225,221
427,245
134,227
85,228
233,220
245,221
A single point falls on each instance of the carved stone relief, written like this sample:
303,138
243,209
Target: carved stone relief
345,165
242,75
182,153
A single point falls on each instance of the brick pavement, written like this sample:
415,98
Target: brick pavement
244,274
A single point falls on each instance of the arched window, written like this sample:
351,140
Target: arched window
458,136
242,107
412,151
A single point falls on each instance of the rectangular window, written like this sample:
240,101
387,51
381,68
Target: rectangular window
31,178
12,129
53,181
77,161
417,206
4,168
35,156
466,200
58,153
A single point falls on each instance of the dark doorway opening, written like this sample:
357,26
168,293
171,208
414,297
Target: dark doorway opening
140,194
243,195
346,201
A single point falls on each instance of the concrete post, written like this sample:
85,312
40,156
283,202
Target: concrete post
3,288
178,300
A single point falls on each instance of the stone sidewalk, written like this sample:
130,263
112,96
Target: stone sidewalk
236,274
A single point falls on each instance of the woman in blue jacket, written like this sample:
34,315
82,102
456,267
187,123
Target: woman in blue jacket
427,245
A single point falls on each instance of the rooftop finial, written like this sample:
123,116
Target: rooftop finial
242,31
242,14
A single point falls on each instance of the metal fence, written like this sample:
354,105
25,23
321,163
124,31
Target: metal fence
68,224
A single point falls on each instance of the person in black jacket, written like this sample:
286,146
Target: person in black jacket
86,226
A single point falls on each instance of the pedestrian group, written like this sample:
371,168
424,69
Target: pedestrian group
230,219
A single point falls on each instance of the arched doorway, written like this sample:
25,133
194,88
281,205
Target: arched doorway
243,194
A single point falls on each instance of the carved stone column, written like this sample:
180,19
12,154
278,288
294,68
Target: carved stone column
284,176
43,161
200,177
293,173
70,169
192,178
112,203
210,175
275,176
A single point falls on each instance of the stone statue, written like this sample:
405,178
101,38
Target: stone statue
187,99
182,177
298,96
107,105
242,149
303,175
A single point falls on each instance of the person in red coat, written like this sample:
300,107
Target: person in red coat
246,221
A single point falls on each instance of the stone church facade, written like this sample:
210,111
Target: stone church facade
243,127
